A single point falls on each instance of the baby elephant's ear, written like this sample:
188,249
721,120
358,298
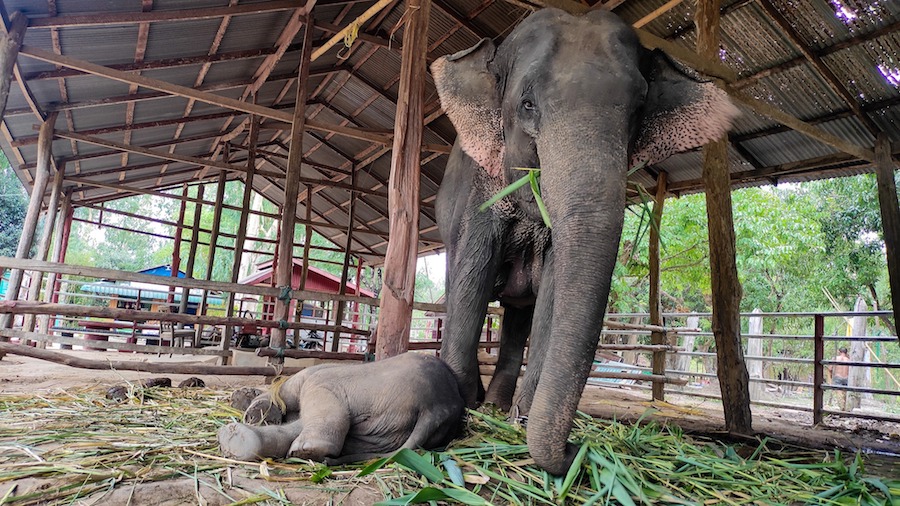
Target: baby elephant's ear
468,91
681,112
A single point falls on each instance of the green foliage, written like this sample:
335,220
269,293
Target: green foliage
13,206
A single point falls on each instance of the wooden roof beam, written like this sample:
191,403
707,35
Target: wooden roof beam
830,78
190,93
124,18
154,154
26,141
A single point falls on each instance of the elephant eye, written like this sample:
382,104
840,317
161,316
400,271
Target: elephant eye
527,104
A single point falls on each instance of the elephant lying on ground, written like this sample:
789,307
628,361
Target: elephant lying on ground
349,413
580,99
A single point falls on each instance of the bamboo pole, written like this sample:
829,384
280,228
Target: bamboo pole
734,379
37,277
403,186
655,304
192,252
890,216
10,42
42,174
213,241
284,270
354,25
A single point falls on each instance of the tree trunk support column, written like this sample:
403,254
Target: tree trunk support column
285,267
42,174
192,256
657,337
37,277
890,216
242,225
403,189
60,240
726,288
10,42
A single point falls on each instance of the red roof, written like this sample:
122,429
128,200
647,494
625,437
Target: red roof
317,279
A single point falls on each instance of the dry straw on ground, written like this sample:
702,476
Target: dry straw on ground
80,448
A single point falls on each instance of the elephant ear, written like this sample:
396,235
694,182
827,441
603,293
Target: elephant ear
470,98
681,112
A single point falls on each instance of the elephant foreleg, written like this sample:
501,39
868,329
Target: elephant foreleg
471,273
326,421
249,443
540,340
514,334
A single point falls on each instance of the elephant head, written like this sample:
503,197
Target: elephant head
579,98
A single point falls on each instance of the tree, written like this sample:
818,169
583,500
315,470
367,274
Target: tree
13,207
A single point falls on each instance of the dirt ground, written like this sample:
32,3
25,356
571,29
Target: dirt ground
26,375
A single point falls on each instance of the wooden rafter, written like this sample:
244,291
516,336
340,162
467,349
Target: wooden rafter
120,18
183,91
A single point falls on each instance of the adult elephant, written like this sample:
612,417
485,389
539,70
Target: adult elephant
579,98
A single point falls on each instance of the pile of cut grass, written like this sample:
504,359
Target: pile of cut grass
82,446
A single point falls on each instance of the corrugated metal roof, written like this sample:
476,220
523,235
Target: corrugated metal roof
360,92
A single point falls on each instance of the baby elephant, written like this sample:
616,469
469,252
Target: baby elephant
349,413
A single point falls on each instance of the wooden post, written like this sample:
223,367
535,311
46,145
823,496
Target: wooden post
285,268
755,348
176,250
10,42
37,277
818,368
42,174
213,240
242,223
60,238
726,288
307,238
857,376
403,188
890,216
342,290
657,337
192,252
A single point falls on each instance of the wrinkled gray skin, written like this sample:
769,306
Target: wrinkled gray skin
348,413
580,99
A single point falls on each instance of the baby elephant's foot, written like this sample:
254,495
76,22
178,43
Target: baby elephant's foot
263,411
312,449
240,442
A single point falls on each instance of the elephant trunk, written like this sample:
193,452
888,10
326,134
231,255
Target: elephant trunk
584,190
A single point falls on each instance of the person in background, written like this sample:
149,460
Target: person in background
840,373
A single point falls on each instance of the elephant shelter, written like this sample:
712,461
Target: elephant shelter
325,109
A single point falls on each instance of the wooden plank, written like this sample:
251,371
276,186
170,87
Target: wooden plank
164,155
192,248
151,367
42,338
28,307
123,18
10,42
96,272
733,377
191,93
403,188
356,23
890,216
655,302
285,268
341,306
666,7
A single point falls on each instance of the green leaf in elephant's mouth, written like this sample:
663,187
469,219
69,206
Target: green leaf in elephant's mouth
532,178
